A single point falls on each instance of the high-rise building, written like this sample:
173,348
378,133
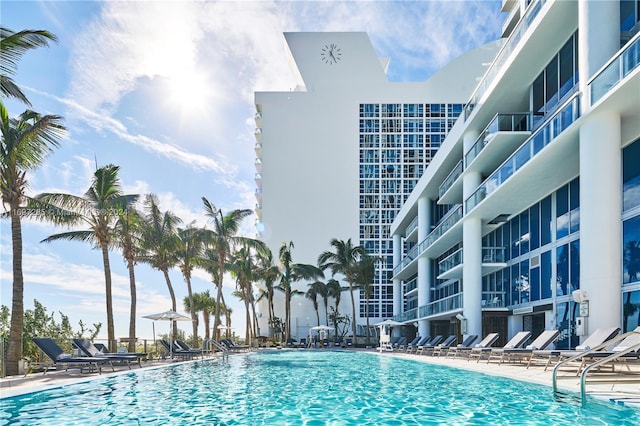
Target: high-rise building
338,155
528,217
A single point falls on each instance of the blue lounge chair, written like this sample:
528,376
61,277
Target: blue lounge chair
89,350
423,341
442,348
543,341
102,348
183,345
411,343
58,356
430,344
175,351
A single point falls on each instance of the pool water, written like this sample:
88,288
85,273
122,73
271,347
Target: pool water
305,387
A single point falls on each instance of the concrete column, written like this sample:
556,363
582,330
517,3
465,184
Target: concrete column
472,256
397,284
601,218
598,39
424,264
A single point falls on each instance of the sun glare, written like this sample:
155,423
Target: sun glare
189,92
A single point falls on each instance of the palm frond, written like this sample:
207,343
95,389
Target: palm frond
83,236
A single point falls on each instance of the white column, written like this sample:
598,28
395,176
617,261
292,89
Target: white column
598,39
397,284
472,255
424,264
601,218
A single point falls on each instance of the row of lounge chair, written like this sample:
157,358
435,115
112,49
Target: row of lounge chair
601,344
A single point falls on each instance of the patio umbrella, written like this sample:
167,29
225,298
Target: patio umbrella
170,316
321,329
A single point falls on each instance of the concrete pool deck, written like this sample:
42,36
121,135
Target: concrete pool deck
622,394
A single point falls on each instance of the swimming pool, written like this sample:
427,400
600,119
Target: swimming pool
305,387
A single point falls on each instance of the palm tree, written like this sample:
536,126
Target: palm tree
342,260
242,269
268,273
159,242
26,141
364,274
127,237
187,254
12,46
334,290
98,209
221,240
291,273
315,289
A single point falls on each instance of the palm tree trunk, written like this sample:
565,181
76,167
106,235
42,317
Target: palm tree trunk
287,314
132,316
207,319
194,315
17,305
174,330
353,310
216,318
247,331
111,334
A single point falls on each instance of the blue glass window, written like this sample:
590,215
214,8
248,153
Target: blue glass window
631,176
631,250
630,310
545,271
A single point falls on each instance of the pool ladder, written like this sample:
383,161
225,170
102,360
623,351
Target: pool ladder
613,378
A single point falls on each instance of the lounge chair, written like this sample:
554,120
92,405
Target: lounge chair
423,341
430,344
542,342
183,345
337,341
302,343
411,343
349,342
626,345
58,356
176,351
487,342
598,337
401,341
290,343
102,348
232,346
519,339
443,347
89,350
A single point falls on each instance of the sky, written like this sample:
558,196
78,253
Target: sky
164,89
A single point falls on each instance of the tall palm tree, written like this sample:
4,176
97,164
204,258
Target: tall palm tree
267,272
159,242
127,237
221,240
242,269
364,274
312,294
290,273
12,46
26,142
334,290
98,209
342,261
187,254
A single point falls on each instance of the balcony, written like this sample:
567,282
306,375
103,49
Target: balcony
493,259
409,315
493,299
258,134
497,141
505,53
410,233
455,195
258,118
258,149
259,194
619,67
258,179
555,125
451,266
411,287
258,164
446,304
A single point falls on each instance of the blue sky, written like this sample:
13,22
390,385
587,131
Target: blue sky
164,89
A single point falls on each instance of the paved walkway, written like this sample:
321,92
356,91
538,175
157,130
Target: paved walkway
627,394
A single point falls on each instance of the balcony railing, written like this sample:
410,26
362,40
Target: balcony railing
411,285
451,218
541,138
409,315
613,73
517,122
413,225
450,262
493,255
449,180
505,53
492,299
443,305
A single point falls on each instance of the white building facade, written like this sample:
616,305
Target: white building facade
528,217
338,156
